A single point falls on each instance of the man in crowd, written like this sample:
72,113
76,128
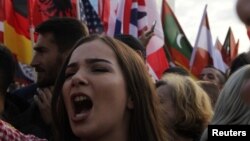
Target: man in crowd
56,37
214,75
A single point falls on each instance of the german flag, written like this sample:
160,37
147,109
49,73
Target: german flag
20,15
16,29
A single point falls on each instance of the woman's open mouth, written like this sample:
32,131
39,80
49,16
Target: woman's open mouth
82,105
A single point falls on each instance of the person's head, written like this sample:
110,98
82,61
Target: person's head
232,106
7,72
104,89
211,89
133,43
241,60
214,75
186,106
176,70
56,37
243,11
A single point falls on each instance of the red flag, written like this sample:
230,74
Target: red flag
204,52
104,12
16,29
156,55
218,44
45,9
108,16
131,17
229,50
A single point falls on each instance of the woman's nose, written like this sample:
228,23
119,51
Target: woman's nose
79,79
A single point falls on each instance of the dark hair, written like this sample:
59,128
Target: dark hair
144,123
241,60
176,70
132,42
66,31
7,66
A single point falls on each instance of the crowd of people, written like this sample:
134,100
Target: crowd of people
98,88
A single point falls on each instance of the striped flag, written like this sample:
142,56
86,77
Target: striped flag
108,16
134,16
16,29
131,17
204,52
88,15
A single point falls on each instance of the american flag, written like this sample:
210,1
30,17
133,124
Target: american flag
89,16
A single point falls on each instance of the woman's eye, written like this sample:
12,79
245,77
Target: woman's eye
67,75
100,69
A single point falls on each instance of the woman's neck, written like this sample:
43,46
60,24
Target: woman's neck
119,133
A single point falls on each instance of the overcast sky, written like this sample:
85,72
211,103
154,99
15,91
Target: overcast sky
221,14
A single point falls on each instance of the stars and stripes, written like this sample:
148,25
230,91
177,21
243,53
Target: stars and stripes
88,15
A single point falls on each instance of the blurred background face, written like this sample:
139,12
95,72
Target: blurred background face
210,74
94,92
47,60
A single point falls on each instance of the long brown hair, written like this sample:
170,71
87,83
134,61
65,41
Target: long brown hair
144,122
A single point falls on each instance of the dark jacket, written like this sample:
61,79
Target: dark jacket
28,119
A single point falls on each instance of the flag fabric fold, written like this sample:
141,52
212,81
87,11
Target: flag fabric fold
43,10
134,16
156,54
177,43
131,17
218,44
108,16
89,16
230,48
16,29
204,53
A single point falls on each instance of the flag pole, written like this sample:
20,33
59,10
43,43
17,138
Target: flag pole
78,9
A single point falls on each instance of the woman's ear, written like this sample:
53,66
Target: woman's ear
130,103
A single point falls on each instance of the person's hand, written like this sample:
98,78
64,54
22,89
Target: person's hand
146,36
43,101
